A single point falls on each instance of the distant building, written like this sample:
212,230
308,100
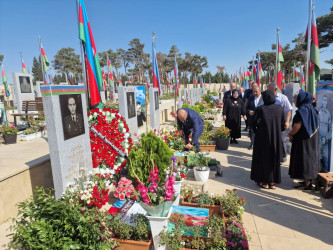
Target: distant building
326,74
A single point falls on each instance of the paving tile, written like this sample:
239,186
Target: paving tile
273,227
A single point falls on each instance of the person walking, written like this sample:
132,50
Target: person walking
228,93
268,148
304,158
233,109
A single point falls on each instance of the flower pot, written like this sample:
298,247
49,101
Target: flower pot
201,175
39,134
161,210
177,187
28,137
222,143
157,225
132,244
207,147
10,138
213,209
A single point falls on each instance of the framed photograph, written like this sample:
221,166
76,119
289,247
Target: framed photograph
324,105
156,100
25,84
72,115
130,104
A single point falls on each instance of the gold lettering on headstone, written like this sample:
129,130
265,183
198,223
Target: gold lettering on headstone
77,162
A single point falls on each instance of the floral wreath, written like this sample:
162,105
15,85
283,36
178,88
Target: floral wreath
113,126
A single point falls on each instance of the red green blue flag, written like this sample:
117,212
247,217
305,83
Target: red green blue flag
24,69
45,61
4,81
279,71
156,74
93,68
175,70
258,71
68,80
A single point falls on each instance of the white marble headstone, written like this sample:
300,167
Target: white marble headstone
37,88
23,89
127,107
154,108
68,133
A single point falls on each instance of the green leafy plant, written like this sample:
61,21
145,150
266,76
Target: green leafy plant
137,230
8,130
235,235
193,107
46,223
208,126
197,159
140,160
28,131
232,204
199,198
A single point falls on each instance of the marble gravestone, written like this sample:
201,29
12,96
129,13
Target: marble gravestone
154,108
68,133
291,89
127,107
37,88
23,89
180,99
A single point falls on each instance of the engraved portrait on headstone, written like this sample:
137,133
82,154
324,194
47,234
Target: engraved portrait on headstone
156,100
72,115
25,84
130,104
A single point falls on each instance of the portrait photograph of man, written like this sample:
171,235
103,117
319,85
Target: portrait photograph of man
72,115
130,104
156,100
25,84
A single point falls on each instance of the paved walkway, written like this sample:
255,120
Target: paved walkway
285,218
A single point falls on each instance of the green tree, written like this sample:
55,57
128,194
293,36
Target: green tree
67,60
114,58
136,55
325,29
170,59
37,70
330,62
124,57
1,58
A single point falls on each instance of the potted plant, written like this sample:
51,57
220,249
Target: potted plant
222,137
206,139
133,235
9,133
204,200
28,135
232,204
235,235
200,163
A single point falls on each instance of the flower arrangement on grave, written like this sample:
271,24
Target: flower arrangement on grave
202,198
140,159
172,138
113,126
222,132
177,169
235,235
125,189
157,198
232,204
197,159
6,129
208,235
92,189
36,125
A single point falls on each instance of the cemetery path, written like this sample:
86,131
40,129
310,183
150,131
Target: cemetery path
285,218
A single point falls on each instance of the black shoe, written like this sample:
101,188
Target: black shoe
236,142
231,141
251,147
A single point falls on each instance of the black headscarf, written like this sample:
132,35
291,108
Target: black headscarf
308,113
268,97
232,94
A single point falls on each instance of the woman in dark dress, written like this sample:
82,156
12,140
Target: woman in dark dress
232,110
304,157
268,122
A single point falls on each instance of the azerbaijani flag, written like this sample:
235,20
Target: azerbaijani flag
69,82
175,70
120,81
93,68
24,69
201,83
148,81
279,71
4,81
104,79
314,65
110,75
45,61
283,79
156,74
258,71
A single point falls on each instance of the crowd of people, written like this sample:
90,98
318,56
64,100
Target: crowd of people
267,116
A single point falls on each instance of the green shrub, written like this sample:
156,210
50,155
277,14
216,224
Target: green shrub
140,160
195,108
46,223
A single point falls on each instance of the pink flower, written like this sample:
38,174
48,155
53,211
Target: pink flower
121,197
128,194
116,194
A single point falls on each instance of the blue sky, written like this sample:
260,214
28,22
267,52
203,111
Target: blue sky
229,33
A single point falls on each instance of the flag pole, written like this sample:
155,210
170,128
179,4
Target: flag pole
308,46
277,54
82,61
175,84
41,58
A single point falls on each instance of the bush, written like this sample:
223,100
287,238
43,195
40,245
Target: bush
195,108
46,223
140,160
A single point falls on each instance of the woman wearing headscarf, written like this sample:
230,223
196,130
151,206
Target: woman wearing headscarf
268,122
233,109
304,157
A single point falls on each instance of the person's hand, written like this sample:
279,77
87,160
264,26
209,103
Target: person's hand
181,132
286,125
244,117
251,112
224,117
189,146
